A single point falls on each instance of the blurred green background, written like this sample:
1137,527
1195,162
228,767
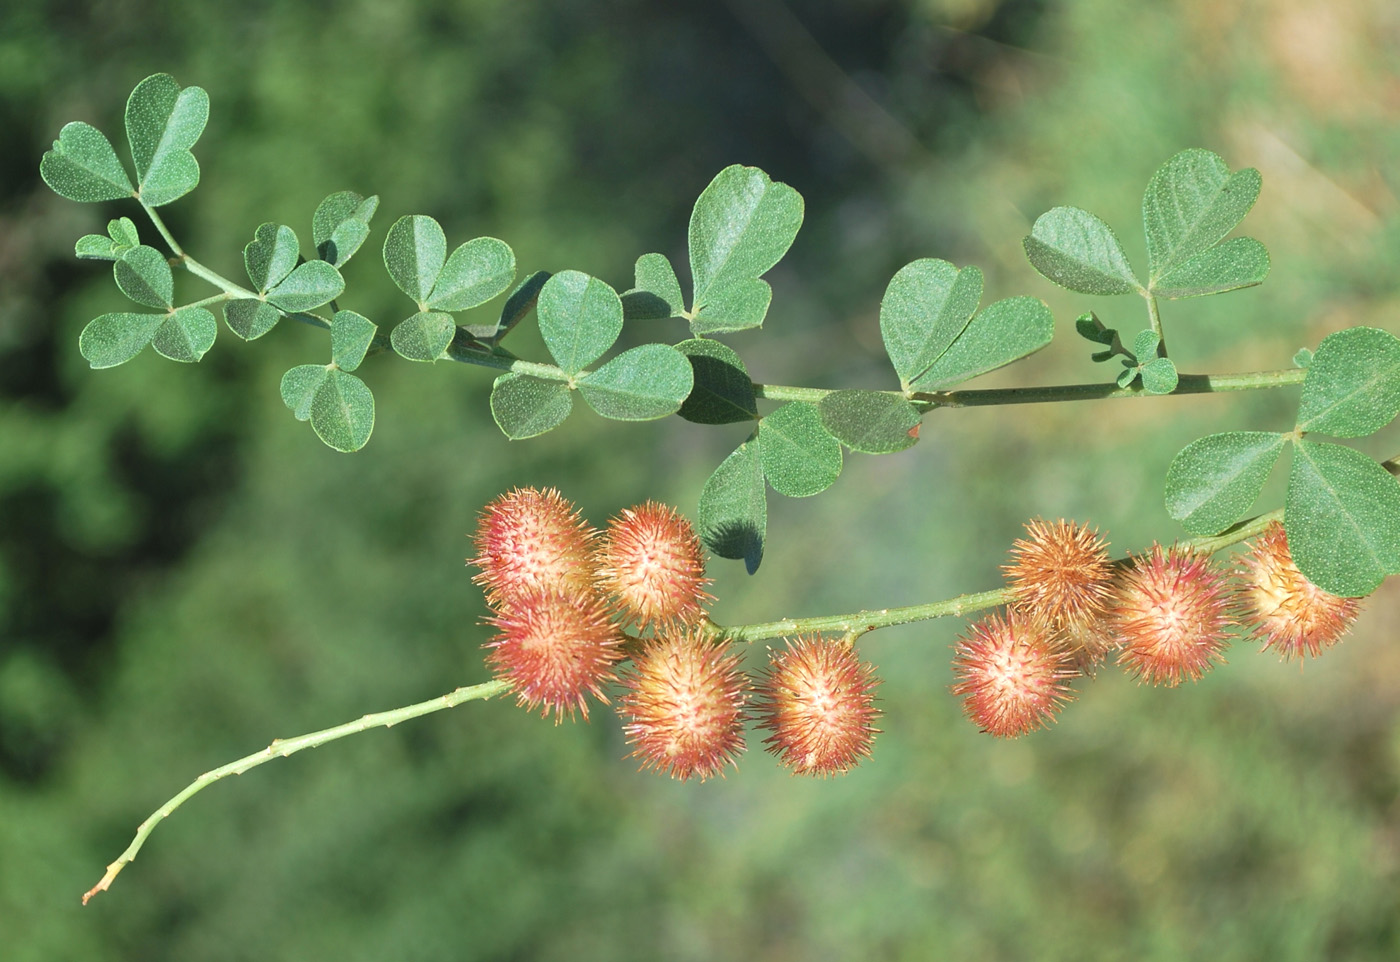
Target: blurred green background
186,572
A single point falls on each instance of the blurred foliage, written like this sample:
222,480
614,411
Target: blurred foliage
186,573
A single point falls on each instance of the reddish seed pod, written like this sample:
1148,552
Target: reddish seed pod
1171,614
531,539
1011,674
650,560
1283,608
818,700
684,707
554,648
1061,576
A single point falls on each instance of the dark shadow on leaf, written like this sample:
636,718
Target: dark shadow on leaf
736,540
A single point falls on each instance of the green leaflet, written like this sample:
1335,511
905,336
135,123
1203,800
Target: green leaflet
733,513
163,122
1213,481
1189,206
339,406
516,308
800,457
647,382
1078,251
270,256
871,422
1343,518
525,406
414,251
308,286
742,224
341,224
82,166
351,336
186,335
925,307
722,392
1237,263
1002,332
580,318
1353,384
144,275
657,292
476,272
114,339
121,237
424,336
249,318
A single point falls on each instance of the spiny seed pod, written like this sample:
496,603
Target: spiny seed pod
684,706
1061,576
1283,608
1011,674
818,700
1171,613
650,561
529,539
553,648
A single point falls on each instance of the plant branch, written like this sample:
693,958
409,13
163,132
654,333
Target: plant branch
283,747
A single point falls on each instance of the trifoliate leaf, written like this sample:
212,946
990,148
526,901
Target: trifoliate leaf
1078,251
733,513
580,318
341,224
1213,481
722,392
82,166
476,272
525,406
1192,202
647,382
162,123
1240,262
351,336
926,306
871,422
1352,387
414,252
144,275
742,224
800,457
1003,331
657,293
1342,515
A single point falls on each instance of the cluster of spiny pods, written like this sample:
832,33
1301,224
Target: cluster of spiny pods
1168,615
572,605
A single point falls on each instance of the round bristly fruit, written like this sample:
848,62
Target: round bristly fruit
529,539
1171,614
1061,575
1283,608
684,706
1011,674
553,648
650,561
818,701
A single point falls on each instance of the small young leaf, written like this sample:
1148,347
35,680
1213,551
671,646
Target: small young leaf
114,339
82,166
476,272
525,406
800,457
1342,515
123,233
341,224
871,422
1089,327
143,274
1128,375
516,308
927,304
742,224
1191,203
270,256
1145,345
580,318
1159,376
299,386
342,411
1303,358
1078,251
351,336
733,514
96,247
1352,387
309,286
1003,331
162,123
1214,480
249,318
424,336
186,335
647,382
1240,262
657,293
723,392
414,252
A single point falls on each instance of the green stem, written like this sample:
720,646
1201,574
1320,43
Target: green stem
192,265
282,748
1155,319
